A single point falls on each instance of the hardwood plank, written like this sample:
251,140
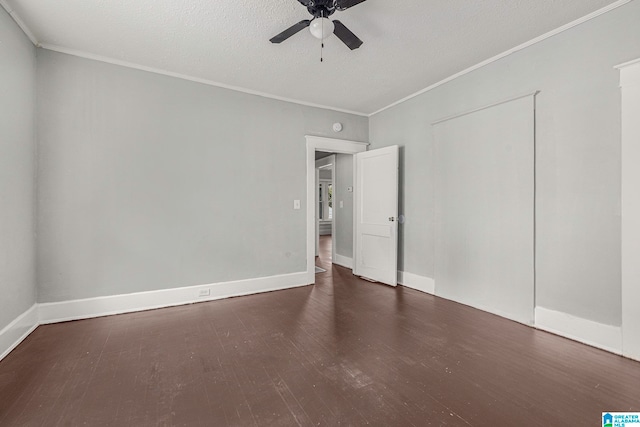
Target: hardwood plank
342,352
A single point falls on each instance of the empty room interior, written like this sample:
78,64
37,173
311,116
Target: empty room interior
319,212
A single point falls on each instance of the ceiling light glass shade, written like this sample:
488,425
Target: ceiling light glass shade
321,28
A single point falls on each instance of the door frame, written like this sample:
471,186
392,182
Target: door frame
330,145
629,343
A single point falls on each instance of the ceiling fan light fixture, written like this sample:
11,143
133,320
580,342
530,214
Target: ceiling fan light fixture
321,28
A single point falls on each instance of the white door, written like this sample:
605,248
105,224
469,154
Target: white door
376,249
484,209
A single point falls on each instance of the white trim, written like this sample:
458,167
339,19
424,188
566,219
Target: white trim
475,110
12,13
588,332
140,301
317,212
46,313
419,283
154,70
15,332
343,261
334,209
619,66
525,45
354,217
630,74
332,145
630,208
329,145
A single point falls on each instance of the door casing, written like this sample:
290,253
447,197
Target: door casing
338,146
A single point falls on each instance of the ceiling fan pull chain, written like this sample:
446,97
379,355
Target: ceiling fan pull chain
322,41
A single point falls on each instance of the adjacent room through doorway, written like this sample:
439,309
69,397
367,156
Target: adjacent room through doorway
333,209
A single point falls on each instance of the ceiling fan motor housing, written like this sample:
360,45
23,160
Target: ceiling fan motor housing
321,8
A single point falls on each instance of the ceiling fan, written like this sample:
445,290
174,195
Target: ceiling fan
321,26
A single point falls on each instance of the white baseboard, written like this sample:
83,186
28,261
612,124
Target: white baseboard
598,335
140,301
419,283
343,261
15,332
595,334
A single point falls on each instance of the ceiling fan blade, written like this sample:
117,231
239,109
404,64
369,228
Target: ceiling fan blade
305,3
347,37
346,4
290,31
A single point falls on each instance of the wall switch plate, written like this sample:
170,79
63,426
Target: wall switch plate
204,292
296,204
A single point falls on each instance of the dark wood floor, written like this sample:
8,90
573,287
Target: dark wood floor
342,352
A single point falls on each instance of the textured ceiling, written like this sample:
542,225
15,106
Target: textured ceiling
408,44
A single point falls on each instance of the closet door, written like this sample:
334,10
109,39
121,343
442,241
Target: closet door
485,209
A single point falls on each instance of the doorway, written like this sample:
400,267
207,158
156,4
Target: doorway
334,146
327,216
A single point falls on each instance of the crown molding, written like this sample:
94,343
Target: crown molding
20,22
207,82
628,64
518,48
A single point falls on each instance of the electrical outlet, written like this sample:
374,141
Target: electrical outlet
204,292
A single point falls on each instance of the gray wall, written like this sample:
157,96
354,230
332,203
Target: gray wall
577,154
149,182
325,173
17,187
344,216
